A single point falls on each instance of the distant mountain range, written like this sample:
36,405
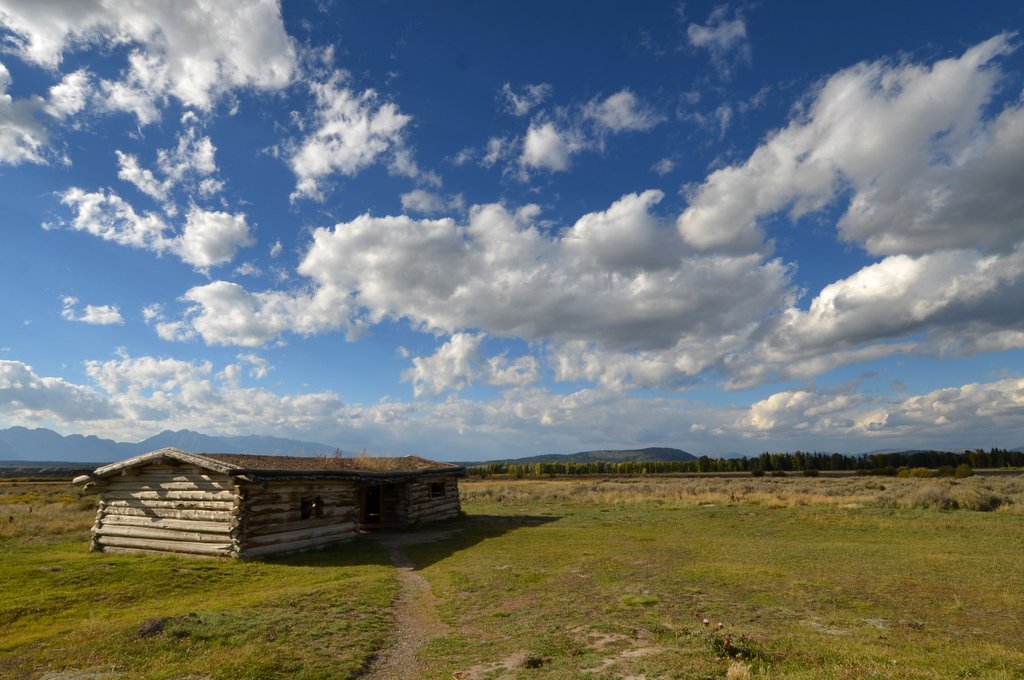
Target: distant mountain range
22,444
650,454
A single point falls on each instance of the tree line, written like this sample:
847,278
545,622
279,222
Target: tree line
797,461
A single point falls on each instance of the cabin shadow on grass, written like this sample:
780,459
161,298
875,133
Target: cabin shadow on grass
439,540
433,542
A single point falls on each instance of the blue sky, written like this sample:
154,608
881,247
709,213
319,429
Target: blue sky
476,230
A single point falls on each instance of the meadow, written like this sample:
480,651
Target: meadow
853,577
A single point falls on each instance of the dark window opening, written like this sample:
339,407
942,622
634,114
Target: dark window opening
311,507
436,489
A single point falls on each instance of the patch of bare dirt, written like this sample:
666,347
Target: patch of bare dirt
617,648
416,618
506,667
596,640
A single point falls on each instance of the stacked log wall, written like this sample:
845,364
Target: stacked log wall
425,508
167,506
272,516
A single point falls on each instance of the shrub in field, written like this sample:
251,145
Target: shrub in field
778,473
723,644
976,498
944,471
963,470
757,473
921,473
810,473
934,496
971,494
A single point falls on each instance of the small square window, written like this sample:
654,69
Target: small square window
311,507
437,489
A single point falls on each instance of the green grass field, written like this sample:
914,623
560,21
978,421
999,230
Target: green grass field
810,578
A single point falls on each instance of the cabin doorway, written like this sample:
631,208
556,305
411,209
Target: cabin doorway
369,507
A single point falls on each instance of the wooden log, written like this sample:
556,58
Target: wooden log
438,500
431,516
294,512
271,508
439,503
224,549
154,470
444,506
262,502
310,533
146,485
302,487
294,546
436,506
253,529
258,504
436,518
122,531
170,476
157,494
172,513
167,503
118,550
282,497
270,519
173,524
437,514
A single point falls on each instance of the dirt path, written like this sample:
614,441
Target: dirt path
416,618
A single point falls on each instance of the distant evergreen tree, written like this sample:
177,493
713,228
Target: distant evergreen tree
875,463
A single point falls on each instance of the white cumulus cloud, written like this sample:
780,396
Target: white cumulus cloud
618,287
520,104
430,203
192,50
452,367
27,396
550,144
22,137
207,238
725,39
70,96
925,170
212,237
622,112
546,147
97,315
460,361
352,131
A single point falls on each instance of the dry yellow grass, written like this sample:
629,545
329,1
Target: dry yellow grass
43,509
1005,494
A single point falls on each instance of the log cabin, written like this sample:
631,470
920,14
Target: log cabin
240,505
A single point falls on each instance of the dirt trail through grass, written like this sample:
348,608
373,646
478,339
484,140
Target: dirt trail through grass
416,618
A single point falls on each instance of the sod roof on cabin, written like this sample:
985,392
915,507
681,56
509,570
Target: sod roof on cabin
239,464
311,464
